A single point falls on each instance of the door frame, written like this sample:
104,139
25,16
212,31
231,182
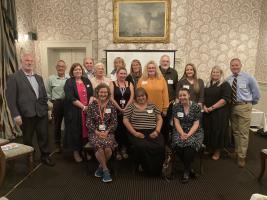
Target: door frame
45,45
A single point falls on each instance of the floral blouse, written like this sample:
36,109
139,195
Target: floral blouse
186,122
94,118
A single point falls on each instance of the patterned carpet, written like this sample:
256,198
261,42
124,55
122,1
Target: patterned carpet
222,180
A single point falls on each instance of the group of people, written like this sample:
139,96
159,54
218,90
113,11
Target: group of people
141,112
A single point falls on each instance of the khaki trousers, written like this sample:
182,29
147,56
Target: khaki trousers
240,123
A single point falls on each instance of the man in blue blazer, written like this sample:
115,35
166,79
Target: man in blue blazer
27,101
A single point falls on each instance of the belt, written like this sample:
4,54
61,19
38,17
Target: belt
241,103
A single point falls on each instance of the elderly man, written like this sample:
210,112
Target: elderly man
27,101
55,93
171,78
88,64
245,93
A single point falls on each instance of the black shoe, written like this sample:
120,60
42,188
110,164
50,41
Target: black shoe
58,148
185,177
192,174
47,161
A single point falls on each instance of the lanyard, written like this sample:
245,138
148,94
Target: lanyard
102,113
122,89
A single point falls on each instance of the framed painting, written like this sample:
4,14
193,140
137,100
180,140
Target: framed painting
141,21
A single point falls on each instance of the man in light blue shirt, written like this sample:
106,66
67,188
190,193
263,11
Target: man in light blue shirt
245,93
55,93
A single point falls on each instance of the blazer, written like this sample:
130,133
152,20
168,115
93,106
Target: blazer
72,112
21,98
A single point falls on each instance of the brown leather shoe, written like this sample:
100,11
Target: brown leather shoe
241,162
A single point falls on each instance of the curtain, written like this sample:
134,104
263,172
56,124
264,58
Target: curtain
8,64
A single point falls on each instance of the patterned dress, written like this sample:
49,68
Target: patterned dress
187,121
94,120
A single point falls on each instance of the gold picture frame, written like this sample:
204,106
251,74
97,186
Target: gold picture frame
141,21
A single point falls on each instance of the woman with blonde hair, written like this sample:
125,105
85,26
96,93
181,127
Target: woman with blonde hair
100,75
191,82
216,112
155,85
118,62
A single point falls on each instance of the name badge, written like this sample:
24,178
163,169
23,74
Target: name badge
150,111
108,110
122,101
144,82
242,86
170,82
102,127
180,114
186,86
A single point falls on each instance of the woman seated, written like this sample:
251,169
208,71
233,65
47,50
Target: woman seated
187,136
102,122
143,121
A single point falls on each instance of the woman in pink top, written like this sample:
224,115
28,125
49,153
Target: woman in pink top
78,94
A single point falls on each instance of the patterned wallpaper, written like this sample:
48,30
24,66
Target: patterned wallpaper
58,20
220,30
202,31
261,64
24,16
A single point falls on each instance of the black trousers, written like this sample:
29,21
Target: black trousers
58,114
38,125
187,155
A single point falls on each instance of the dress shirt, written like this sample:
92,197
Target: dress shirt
89,74
33,82
247,89
55,87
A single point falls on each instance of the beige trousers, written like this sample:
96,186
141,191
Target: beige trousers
240,123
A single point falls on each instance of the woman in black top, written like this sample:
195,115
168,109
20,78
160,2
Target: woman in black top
216,112
195,85
122,93
136,72
78,94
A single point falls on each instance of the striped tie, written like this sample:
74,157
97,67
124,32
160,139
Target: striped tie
234,90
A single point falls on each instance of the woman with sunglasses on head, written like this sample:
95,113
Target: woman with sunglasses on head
122,93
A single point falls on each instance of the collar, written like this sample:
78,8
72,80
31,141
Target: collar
28,74
239,74
58,77
165,71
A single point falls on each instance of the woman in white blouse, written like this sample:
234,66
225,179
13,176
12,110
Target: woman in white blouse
100,75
